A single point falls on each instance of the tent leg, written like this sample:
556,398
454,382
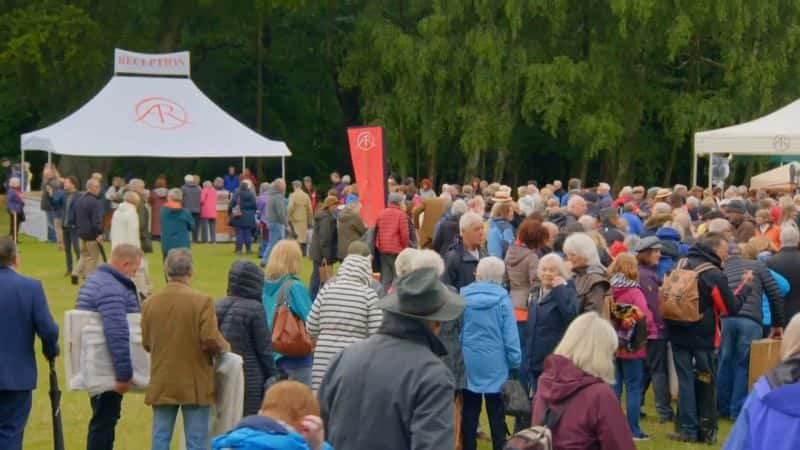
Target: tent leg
50,159
283,167
244,163
710,162
694,169
22,174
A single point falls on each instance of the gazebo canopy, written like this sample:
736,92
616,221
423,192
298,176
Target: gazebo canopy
151,108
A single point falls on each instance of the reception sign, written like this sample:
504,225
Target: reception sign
175,64
367,153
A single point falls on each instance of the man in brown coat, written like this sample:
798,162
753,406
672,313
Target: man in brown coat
434,209
179,329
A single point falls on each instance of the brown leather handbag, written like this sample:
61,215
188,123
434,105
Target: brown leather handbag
289,334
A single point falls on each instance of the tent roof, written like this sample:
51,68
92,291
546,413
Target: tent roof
153,117
776,133
779,178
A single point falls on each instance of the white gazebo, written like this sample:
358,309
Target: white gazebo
777,133
151,108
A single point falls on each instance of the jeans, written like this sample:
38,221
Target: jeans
196,230
72,244
106,409
696,369
277,231
314,284
208,230
657,372
301,374
244,237
388,273
734,363
15,407
195,426
51,226
471,415
629,373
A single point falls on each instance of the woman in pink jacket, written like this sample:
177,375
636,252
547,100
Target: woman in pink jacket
624,273
208,213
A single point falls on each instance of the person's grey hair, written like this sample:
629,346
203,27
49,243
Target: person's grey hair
582,244
693,201
661,208
346,179
219,181
15,182
469,220
491,269
175,194
790,237
396,198
428,259
263,187
136,183
246,184
556,260
626,190
574,201
403,262
278,181
131,197
604,186
188,178
589,223
719,225
297,184
680,189
92,182
208,184
590,342
459,207
178,263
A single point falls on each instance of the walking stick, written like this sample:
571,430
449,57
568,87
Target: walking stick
55,406
14,230
102,251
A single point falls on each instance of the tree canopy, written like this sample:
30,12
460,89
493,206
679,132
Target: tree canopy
506,89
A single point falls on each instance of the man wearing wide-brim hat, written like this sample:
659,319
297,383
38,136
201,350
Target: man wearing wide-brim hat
392,391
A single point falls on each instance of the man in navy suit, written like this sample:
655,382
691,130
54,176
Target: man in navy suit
23,314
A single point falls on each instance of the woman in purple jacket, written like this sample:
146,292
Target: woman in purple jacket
15,205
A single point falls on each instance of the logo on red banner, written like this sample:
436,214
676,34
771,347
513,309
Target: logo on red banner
365,141
162,113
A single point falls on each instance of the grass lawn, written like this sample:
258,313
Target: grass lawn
44,262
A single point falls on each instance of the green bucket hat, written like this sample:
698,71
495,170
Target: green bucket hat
420,294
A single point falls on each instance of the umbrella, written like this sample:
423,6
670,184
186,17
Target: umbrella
55,406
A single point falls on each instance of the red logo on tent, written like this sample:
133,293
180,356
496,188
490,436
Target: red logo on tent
365,141
159,112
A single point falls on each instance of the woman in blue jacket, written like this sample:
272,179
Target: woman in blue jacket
490,343
770,418
501,232
552,306
281,272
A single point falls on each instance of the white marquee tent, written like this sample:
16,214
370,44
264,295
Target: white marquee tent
777,133
151,108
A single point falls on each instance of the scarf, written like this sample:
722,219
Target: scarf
621,281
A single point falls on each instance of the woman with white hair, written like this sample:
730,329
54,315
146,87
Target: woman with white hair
591,281
242,216
192,203
552,305
490,344
770,418
15,204
576,383
177,223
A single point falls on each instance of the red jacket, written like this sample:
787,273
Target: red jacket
392,234
592,418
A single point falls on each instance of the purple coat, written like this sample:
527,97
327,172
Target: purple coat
14,202
651,283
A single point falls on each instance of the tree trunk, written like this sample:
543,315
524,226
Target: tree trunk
260,169
500,165
474,161
172,15
432,164
671,166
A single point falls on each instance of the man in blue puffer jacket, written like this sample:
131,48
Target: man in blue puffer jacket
110,292
672,249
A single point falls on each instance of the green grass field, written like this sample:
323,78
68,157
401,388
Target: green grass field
44,262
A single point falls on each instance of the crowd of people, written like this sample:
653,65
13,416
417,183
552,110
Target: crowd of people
571,292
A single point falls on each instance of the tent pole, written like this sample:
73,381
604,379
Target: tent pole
283,167
710,161
22,174
50,159
694,169
244,164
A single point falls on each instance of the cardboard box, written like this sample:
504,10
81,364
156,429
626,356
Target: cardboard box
765,354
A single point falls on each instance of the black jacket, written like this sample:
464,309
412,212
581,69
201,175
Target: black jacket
787,263
548,319
246,201
242,321
324,239
611,234
763,283
446,235
712,286
390,391
68,217
89,216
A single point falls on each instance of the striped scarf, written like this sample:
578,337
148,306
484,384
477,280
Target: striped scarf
620,280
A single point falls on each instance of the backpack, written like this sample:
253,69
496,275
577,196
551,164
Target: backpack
289,334
631,337
679,297
540,437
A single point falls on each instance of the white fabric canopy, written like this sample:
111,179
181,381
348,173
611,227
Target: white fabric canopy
152,117
777,133
783,178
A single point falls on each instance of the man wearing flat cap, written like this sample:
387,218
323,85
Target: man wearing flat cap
392,391
743,227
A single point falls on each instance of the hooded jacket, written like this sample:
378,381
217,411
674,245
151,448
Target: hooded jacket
770,419
591,418
176,227
125,226
549,315
521,264
350,228
246,201
489,339
345,311
399,366
716,298
262,433
242,321
672,249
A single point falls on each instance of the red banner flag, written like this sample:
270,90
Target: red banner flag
366,151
